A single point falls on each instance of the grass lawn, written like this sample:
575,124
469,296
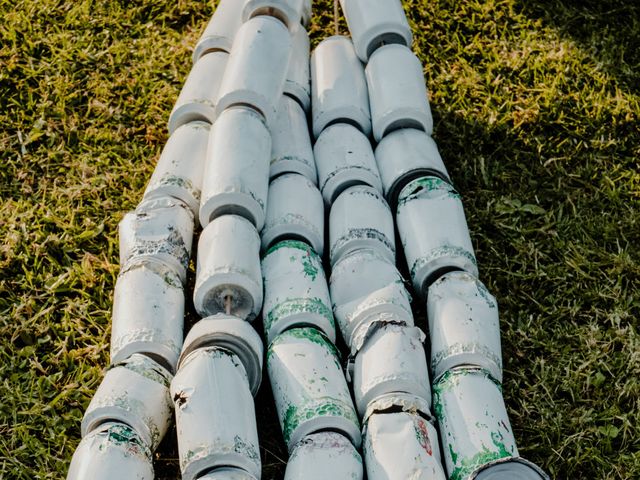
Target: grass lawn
536,107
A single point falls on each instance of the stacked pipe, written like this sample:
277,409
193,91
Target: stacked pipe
314,406
221,361
387,362
463,319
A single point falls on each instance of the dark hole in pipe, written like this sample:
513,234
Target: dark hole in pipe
385,39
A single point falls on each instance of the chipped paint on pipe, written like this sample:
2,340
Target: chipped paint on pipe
134,392
221,29
397,91
232,334
236,173
295,211
322,456
344,158
366,288
401,446
295,290
288,12
391,360
159,230
257,67
404,155
291,150
179,170
111,451
309,388
464,325
373,23
228,267
338,86
298,82
215,415
473,420
148,314
434,232
199,94
360,218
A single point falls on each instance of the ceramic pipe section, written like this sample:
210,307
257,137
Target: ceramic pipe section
309,388
148,314
360,218
112,450
433,230
228,277
159,230
215,414
397,91
298,82
463,324
134,392
391,360
338,86
236,174
234,335
401,445
295,290
291,151
295,211
199,94
373,23
367,288
179,170
344,158
288,12
257,67
475,428
221,29
404,155
322,456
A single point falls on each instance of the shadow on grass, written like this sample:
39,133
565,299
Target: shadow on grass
609,30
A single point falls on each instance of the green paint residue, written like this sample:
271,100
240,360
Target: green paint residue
310,265
244,448
471,464
126,437
453,454
295,306
325,407
147,368
306,333
297,244
432,186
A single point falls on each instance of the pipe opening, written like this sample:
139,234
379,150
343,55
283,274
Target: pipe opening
435,275
250,107
386,38
403,123
158,359
288,236
345,185
233,210
271,12
343,120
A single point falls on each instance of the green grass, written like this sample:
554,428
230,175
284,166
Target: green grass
536,114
